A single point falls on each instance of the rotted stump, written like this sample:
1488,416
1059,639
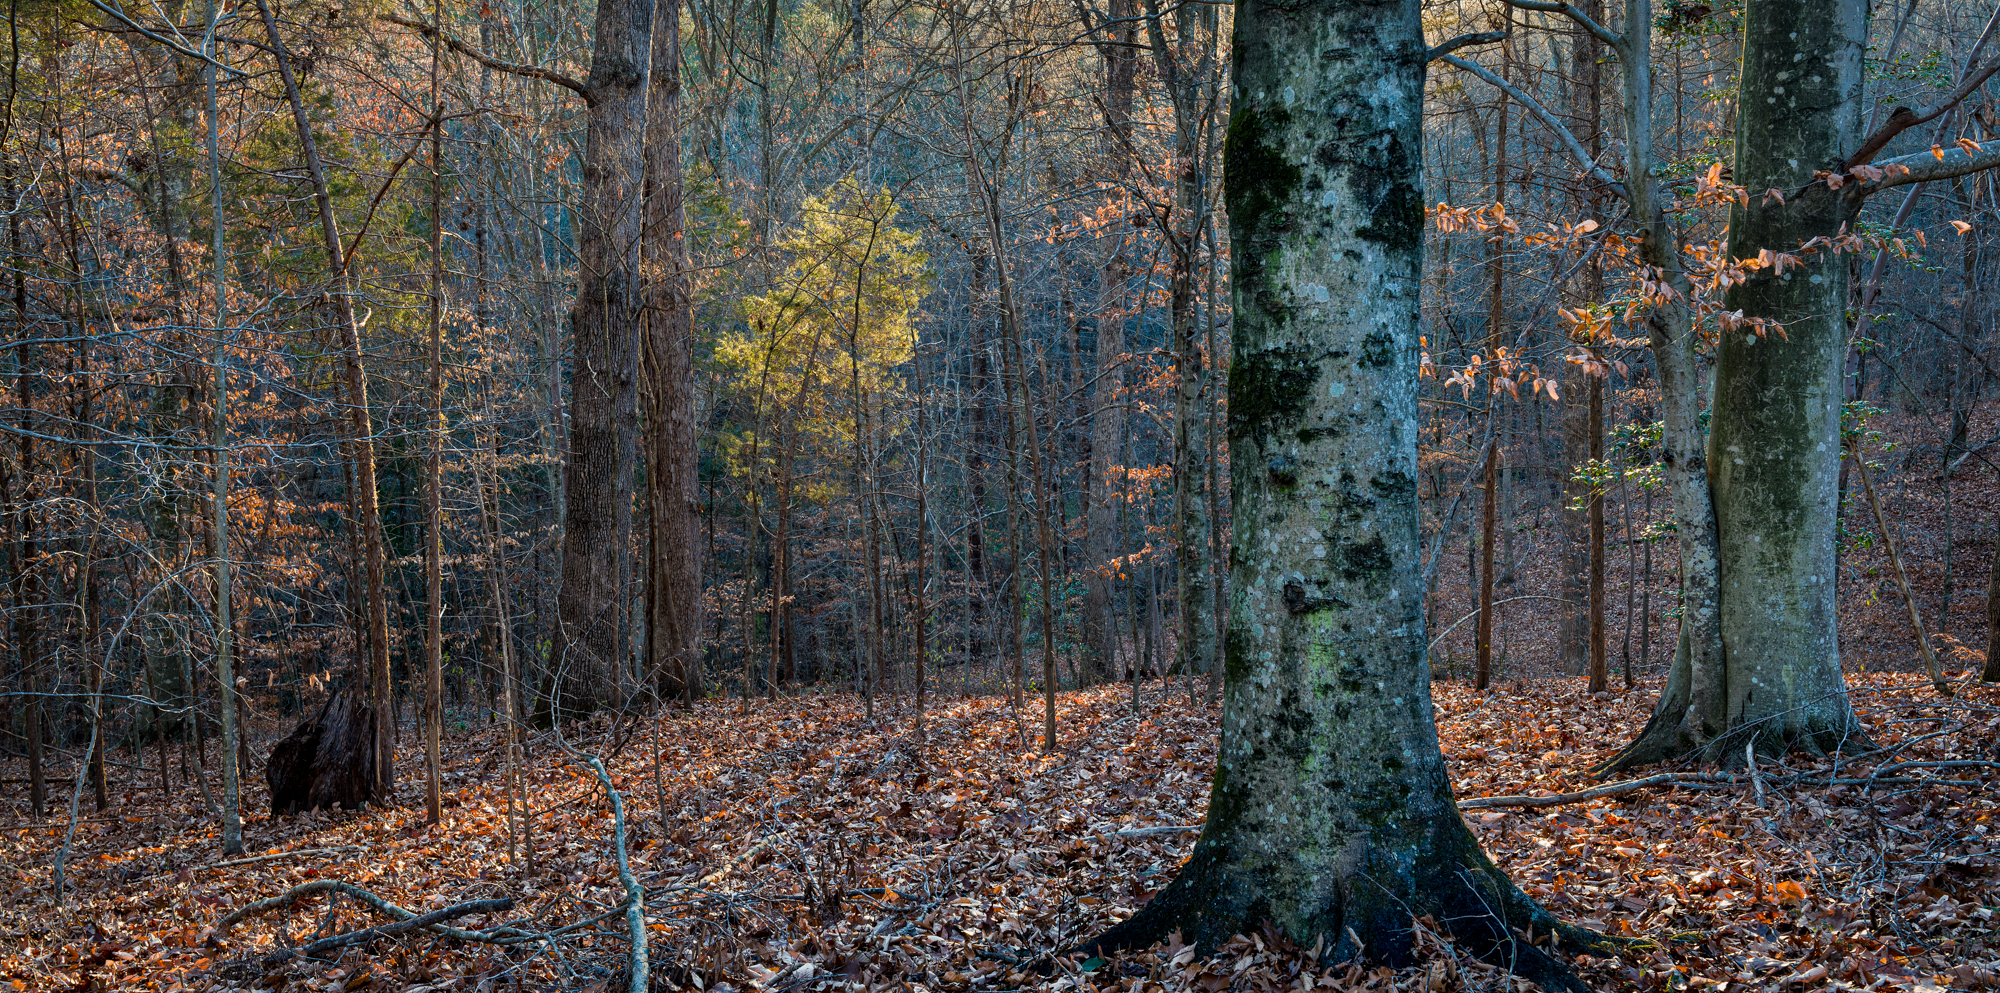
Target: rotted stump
327,761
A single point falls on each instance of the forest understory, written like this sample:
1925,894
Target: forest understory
797,845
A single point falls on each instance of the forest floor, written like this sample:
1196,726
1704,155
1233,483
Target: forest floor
797,845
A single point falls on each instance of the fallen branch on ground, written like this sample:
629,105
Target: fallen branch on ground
274,856
498,936
1693,779
373,934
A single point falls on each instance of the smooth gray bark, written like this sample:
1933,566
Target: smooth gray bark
1774,442
1330,814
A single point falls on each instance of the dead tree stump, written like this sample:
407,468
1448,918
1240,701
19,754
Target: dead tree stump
327,761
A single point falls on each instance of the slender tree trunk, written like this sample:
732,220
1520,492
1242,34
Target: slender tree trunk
1107,421
1016,607
20,521
1689,712
434,468
1991,672
920,600
510,680
362,442
1600,666
225,676
1917,630
1010,321
1482,665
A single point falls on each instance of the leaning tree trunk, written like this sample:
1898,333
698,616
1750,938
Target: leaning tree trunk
376,671
1331,814
604,399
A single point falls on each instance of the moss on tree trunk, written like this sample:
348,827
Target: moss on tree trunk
1774,441
1330,814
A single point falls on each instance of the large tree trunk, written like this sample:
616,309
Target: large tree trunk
604,322
1772,674
1331,814
1774,443
673,568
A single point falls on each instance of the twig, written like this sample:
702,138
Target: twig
1750,761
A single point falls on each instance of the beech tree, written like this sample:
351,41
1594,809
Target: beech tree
1772,682
1331,814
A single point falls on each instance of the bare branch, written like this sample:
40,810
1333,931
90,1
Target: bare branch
1943,163
1570,11
567,82
176,47
1463,41
1904,118
371,935
1576,149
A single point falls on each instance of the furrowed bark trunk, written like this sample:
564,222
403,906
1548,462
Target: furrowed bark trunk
673,569
1331,814
605,324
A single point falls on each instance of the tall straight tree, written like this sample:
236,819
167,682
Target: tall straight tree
225,628
1771,680
605,325
1107,415
1330,813
673,565
434,465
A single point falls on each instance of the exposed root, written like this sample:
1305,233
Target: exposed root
1470,901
